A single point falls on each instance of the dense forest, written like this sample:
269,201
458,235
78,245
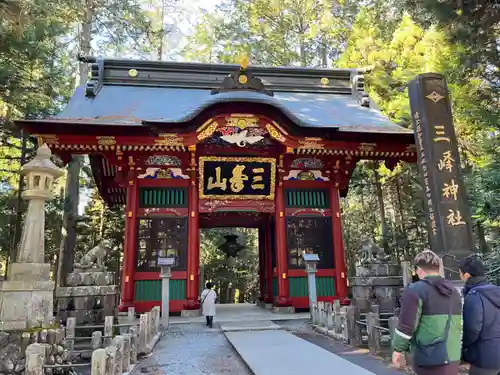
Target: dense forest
396,39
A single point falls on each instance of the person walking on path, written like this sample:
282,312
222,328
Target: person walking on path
207,300
481,339
430,321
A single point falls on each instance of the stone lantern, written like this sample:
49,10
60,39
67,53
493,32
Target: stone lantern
231,247
26,298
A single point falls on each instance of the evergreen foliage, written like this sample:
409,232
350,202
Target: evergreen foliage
39,41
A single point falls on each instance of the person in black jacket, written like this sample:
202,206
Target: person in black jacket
481,315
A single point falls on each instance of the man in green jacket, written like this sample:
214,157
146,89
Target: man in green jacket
430,321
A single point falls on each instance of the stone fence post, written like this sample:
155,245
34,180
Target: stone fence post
343,324
406,270
329,315
322,315
110,360
35,358
142,333
314,313
157,313
131,315
336,316
70,335
127,338
98,366
393,324
149,327
353,328
118,343
96,340
372,320
133,344
108,330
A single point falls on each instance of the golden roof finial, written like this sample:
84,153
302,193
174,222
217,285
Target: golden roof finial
243,61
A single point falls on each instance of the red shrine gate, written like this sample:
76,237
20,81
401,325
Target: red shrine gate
190,146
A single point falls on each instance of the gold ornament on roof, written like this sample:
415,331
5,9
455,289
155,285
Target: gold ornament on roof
242,121
133,73
242,79
243,61
275,133
170,140
325,81
208,131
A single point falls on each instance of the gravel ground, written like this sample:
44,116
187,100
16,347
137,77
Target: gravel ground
192,349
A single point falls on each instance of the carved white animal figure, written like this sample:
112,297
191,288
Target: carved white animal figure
241,139
94,256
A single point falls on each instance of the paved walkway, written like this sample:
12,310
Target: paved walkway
276,352
247,340
240,312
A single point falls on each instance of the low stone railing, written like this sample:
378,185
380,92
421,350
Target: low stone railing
347,324
110,354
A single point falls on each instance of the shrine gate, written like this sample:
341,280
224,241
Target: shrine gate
186,146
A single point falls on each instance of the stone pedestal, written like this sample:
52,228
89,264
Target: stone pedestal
377,281
25,304
89,296
26,297
378,284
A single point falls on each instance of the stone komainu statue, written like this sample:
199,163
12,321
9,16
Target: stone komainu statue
94,258
369,252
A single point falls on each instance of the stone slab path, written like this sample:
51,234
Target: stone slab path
241,312
279,352
259,325
255,347
360,357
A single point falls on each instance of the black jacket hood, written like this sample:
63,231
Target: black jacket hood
443,286
490,292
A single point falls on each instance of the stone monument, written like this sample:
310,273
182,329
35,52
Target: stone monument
377,281
26,297
89,294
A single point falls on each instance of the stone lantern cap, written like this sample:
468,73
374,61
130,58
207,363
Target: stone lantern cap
41,163
311,258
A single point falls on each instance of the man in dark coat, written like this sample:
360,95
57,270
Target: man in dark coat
481,319
430,317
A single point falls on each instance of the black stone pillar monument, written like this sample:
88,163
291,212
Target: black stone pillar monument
449,223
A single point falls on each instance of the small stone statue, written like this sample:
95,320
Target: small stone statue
369,252
95,257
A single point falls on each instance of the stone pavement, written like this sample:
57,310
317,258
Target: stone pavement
276,352
239,313
247,340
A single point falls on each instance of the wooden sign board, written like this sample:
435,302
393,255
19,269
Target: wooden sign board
237,178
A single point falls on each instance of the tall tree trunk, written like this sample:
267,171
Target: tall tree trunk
380,199
19,203
324,51
483,245
161,40
72,191
402,227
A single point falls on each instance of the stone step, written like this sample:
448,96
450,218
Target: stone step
262,325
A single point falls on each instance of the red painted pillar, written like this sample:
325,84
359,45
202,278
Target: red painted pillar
262,261
338,244
268,261
193,259
283,299
129,247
